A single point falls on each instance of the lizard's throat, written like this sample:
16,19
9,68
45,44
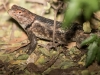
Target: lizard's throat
26,26
23,26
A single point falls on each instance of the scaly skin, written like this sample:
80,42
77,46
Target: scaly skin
38,26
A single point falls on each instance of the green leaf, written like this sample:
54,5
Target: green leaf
91,54
98,55
89,40
71,13
98,40
94,4
75,7
45,51
87,12
23,57
89,7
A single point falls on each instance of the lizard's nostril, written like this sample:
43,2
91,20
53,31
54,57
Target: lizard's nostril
13,12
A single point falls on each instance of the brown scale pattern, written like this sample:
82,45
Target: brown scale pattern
38,26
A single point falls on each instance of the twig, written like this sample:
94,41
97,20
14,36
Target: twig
54,28
12,32
4,4
12,49
50,63
1,7
44,2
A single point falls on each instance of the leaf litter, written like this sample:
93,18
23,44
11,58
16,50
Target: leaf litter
48,62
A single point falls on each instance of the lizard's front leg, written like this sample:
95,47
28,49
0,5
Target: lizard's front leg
33,41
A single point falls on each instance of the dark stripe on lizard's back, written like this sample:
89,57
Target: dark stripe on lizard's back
48,21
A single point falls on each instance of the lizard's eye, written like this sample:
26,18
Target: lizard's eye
20,12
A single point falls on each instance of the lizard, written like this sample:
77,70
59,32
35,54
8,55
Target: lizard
40,27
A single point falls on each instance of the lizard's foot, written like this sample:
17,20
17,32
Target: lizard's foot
50,46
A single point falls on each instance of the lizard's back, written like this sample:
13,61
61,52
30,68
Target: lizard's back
40,26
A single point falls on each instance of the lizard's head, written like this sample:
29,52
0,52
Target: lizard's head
21,15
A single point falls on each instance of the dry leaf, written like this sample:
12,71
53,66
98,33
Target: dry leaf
70,45
17,33
87,27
